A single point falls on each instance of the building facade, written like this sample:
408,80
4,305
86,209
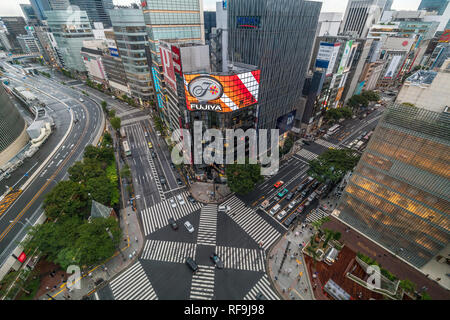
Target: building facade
30,15
437,6
329,23
399,193
97,10
258,36
360,15
15,27
69,35
131,39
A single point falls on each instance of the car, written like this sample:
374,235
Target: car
314,185
292,204
300,209
276,198
173,224
282,193
162,180
223,208
146,134
179,182
300,187
81,100
290,195
265,204
311,197
172,203
278,184
172,165
290,219
180,199
260,296
216,260
114,97
153,154
192,264
304,193
281,215
150,146
308,143
191,199
353,117
189,226
158,133
275,209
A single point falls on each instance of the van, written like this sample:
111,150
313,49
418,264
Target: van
275,209
265,204
192,264
281,215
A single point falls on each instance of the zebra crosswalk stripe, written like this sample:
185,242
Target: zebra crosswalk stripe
202,286
168,251
327,144
208,225
255,226
242,258
133,284
262,286
316,215
307,154
157,216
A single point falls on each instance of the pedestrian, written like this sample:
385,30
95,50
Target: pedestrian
135,238
47,287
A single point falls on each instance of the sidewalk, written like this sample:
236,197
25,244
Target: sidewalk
292,281
203,192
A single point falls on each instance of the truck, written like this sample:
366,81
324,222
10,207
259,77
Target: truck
122,133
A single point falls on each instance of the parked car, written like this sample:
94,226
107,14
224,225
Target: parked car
81,100
153,154
173,224
191,199
278,184
172,203
292,204
300,187
180,199
172,165
216,260
223,208
192,264
311,197
290,196
281,215
265,204
189,226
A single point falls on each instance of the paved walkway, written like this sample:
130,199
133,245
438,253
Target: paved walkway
203,192
291,280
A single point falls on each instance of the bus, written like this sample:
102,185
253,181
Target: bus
122,132
333,129
126,148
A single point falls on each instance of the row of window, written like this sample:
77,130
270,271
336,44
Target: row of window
174,18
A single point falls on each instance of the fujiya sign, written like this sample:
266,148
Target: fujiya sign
206,107
205,89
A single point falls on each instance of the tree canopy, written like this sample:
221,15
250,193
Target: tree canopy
242,178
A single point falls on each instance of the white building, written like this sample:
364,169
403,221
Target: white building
92,52
329,23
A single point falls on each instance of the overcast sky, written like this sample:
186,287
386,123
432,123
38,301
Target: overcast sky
12,8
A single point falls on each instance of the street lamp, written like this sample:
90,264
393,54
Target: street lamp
26,219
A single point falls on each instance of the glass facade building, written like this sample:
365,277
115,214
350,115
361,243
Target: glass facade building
97,10
131,39
276,36
438,6
399,193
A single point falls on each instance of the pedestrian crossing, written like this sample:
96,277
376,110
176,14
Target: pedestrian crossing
202,286
208,226
307,154
262,286
316,215
255,226
242,258
157,216
168,251
133,284
327,144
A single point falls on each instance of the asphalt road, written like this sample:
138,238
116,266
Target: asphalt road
59,99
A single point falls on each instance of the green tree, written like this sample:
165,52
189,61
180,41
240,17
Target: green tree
125,172
333,164
242,178
100,189
357,101
104,106
407,285
288,144
333,114
115,123
66,198
346,112
107,140
112,113
371,95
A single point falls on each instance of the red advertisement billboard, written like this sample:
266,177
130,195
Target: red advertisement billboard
167,63
445,37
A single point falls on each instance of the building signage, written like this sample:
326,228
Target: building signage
22,257
167,63
176,58
445,37
113,52
230,92
345,56
392,67
248,22
324,54
286,122
333,58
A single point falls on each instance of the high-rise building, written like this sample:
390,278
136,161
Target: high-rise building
210,22
30,14
398,195
278,41
13,134
181,20
15,27
437,6
329,23
29,43
97,10
360,15
69,34
131,38
59,4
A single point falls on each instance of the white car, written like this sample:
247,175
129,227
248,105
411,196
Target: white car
281,215
189,226
81,100
180,200
292,204
223,208
172,203
146,134
158,133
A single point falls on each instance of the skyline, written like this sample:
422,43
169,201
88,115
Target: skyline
12,7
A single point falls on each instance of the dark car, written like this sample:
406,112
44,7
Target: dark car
305,192
290,219
191,199
276,198
300,187
162,180
260,296
172,165
153,154
179,182
173,224
215,258
192,264
289,196
307,142
314,185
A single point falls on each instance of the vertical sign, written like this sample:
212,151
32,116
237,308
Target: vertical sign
167,63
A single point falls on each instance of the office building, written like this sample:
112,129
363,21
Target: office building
28,43
131,38
210,23
360,15
69,35
92,54
97,10
15,27
178,19
30,16
435,6
59,4
13,133
279,42
398,195
39,7
329,23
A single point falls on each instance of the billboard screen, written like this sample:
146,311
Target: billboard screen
324,54
167,63
445,37
333,58
221,93
286,122
345,56
392,67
